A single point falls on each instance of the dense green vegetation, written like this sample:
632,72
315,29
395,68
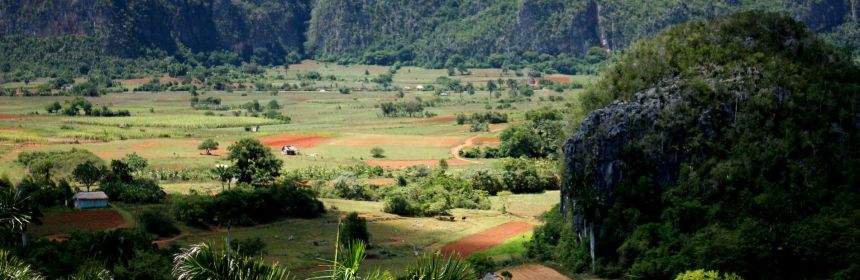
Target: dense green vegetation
245,206
434,195
748,165
138,38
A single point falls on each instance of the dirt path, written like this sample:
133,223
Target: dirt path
455,151
535,272
486,239
161,243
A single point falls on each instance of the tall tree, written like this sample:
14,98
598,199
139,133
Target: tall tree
208,145
253,162
88,174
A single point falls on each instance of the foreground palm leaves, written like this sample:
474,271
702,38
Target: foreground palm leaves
436,267
202,262
347,262
14,269
15,214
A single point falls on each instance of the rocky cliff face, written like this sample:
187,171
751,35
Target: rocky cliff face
423,31
430,29
123,27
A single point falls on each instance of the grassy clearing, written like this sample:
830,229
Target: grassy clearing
300,243
175,121
510,250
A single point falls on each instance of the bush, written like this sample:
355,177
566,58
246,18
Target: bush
354,228
347,186
481,264
135,191
54,165
377,152
157,222
706,275
487,182
479,127
461,118
524,176
249,247
399,205
434,195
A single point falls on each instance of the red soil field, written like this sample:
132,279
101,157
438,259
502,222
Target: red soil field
535,272
486,239
301,141
13,116
82,220
560,80
373,140
143,145
486,140
399,164
437,119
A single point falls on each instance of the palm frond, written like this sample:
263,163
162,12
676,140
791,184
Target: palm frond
14,269
347,262
201,261
15,211
436,267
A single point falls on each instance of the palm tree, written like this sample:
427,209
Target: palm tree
437,267
223,174
15,211
346,264
13,268
202,262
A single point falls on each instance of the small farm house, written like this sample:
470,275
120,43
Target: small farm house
84,200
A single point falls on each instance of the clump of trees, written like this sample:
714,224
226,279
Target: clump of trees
434,195
55,165
539,136
403,109
121,182
491,117
75,106
208,103
252,162
158,222
245,206
208,145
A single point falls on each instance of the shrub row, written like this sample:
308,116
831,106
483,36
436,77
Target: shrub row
245,206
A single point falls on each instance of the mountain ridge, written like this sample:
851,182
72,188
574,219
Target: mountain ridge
559,34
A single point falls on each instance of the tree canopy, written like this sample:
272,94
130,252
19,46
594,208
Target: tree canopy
253,163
